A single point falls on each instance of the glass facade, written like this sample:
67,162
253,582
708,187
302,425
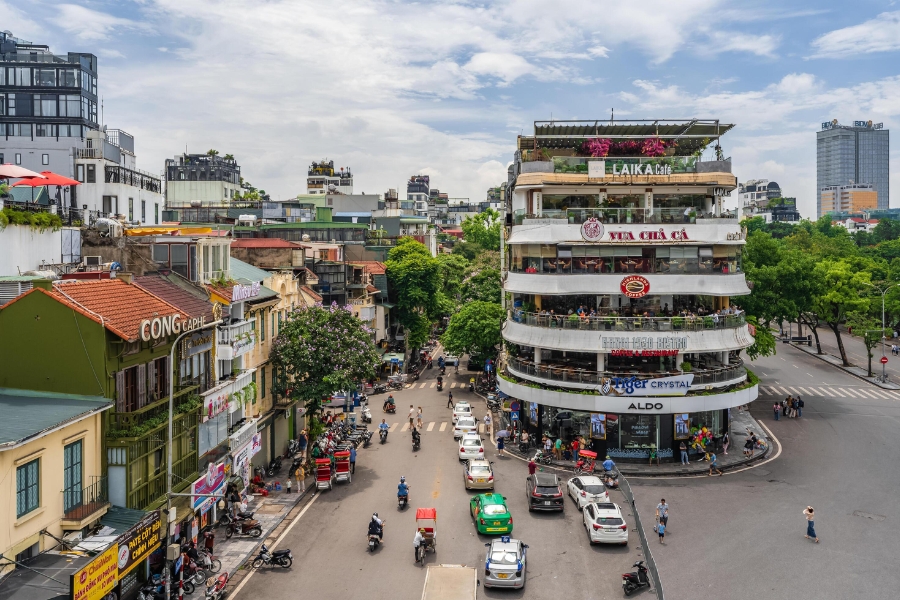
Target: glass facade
846,155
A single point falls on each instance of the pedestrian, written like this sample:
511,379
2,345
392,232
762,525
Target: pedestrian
810,523
662,512
532,467
661,528
352,458
450,400
713,464
799,406
684,454
576,447
288,483
412,416
500,441
557,449
777,409
726,439
548,443
301,444
419,418
301,478
487,422
748,447
654,456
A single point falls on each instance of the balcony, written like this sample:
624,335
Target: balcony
83,505
622,216
615,323
236,340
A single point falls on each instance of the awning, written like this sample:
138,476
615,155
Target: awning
25,584
392,357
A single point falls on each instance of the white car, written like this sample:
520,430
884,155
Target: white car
451,360
462,409
478,475
463,426
605,524
586,489
471,447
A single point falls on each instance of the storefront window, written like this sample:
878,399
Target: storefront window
638,434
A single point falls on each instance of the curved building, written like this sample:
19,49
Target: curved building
623,277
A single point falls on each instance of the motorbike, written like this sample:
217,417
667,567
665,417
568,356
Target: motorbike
366,415
374,540
440,386
416,443
282,558
215,587
292,448
471,386
610,479
403,501
382,434
391,409
430,364
367,439
636,579
541,458
493,403
414,374
193,572
248,527
379,388
395,385
274,466
443,370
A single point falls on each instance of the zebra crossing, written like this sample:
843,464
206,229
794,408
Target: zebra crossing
855,393
429,426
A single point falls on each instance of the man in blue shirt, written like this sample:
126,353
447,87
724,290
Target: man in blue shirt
352,459
402,488
383,426
608,464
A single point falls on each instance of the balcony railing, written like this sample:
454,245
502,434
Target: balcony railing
80,502
616,323
573,375
237,340
134,178
627,216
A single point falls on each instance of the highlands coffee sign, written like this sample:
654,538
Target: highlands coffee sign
161,327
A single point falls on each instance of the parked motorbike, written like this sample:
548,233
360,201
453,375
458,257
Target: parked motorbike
541,458
292,448
248,527
274,466
430,364
208,562
379,388
493,403
281,558
215,587
383,435
193,572
636,579
395,385
366,415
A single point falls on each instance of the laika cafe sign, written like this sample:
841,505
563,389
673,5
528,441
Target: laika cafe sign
97,578
160,327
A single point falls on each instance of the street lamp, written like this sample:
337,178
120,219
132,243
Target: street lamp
882,292
171,417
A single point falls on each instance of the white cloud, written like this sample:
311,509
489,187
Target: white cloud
87,24
732,41
504,65
881,34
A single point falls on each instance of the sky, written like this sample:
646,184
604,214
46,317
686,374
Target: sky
393,89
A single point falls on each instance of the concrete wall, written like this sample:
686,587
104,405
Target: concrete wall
91,194
60,151
266,258
134,258
24,249
182,193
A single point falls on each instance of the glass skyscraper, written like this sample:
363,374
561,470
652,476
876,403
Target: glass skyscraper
853,154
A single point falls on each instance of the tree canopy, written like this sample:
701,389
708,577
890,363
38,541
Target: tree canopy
483,229
415,286
475,329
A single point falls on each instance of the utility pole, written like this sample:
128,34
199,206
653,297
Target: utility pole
883,337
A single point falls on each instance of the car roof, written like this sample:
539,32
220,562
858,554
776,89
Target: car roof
511,546
479,463
590,479
471,434
466,419
466,404
546,479
493,498
607,508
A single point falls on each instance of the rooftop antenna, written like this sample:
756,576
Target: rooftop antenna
102,120
612,115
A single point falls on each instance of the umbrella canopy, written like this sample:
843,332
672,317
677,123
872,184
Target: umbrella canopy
9,171
49,178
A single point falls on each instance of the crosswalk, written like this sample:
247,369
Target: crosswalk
857,393
432,385
429,426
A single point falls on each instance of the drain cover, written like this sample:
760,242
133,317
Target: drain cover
865,515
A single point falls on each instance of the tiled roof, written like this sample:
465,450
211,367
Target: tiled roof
371,288
178,291
262,243
118,306
372,266
308,291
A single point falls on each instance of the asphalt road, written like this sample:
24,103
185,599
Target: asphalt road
329,541
856,351
741,536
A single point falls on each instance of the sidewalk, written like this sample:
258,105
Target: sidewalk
852,370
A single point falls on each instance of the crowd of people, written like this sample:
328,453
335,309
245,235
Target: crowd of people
790,407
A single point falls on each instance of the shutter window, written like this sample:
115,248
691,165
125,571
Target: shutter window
154,383
142,386
120,391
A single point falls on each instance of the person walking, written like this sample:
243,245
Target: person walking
662,512
500,441
419,418
450,400
352,459
548,443
799,406
713,464
487,422
300,473
557,449
777,409
412,416
301,444
576,447
684,454
809,513
532,467
661,529
748,447
726,440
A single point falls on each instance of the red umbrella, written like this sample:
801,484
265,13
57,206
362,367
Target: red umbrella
10,171
49,178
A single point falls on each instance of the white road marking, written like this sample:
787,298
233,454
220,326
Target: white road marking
880,393
431,426
421,387
868,393
849,392
796,367
432,384
804,390
443,426
452,385
838,392
405,427
783,389
393,427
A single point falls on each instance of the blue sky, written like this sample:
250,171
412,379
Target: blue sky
393,88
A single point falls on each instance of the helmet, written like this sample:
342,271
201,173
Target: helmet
374,515
607,457
402,479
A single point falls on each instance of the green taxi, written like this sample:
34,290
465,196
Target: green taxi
490,514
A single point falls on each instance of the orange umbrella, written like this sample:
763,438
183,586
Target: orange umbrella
46,178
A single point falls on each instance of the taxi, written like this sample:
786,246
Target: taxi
490,514
504,565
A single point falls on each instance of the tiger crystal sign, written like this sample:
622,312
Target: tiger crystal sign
97,578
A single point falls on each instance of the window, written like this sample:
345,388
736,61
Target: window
159,378
274,331
2,101
156,214
45,130
262,382
23,76
69,78
1,155
261,320
180,259
92,175
131,209
44,106
11,104
45,77
143,210
72,476
110,203
161,254
18,158
79,173
28,488
45,159
70,106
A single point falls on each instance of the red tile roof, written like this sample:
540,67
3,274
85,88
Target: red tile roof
371,288
372,266
308,291
262,243
190,299
118,306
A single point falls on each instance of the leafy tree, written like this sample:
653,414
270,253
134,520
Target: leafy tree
320,351
453,268
764,343
483,229
475,329
886,230
870,330
466,250
212,152
840,295
415,285
484,286
486,259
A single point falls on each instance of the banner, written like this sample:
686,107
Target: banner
139,542
208,484
97,578
677,385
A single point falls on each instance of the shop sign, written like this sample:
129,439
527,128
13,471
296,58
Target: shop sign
677,385
139,542
734,236
644,343
635,286
643,353
255,445
160,327
244,292
242,463
243,342
659,235
97,578
208,484
197,343
592,230
242,436
217,402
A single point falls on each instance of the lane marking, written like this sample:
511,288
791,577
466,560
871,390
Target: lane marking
284,533
819,392
868,393
452,385
431,426
880,393
443,426
850,392
804,390
393,427
405,426
838,392
785,391
432,385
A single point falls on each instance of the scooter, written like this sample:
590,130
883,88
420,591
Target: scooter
274,466
366,415
541,458
610,479
471,386
248,527
440,386
443,370
402,501
391,409
383,435
374,540
367,439
282,558
636,579
215,587
416,443
379,388
430,364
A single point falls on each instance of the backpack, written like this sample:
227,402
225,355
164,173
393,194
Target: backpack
800,403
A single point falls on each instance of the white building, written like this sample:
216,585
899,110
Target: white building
201,180
644,250
324,179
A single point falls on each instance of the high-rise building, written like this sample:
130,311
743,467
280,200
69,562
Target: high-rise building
848,198
324,179
48,103
847,155
417,194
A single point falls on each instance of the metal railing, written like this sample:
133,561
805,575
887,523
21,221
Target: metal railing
572,374
623,216
648,555
606,264
80,502
615,323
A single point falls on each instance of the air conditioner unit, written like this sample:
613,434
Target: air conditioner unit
92,261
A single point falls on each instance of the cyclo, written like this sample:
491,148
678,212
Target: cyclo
586,460
324,474
426,524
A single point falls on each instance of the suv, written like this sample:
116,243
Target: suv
544,492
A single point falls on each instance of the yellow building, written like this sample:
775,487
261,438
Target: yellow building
51,466
849,198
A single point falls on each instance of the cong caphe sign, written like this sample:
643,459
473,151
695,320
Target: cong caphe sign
97,578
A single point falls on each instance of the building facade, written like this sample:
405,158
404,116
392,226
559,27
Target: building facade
847,155
855,197
622,273
323,178
200,180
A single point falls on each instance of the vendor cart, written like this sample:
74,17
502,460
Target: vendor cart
324,474
342,466
426,524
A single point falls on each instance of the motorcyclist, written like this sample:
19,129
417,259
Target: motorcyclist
441,362
608,464
388,402
472,384
376,526
416,437
440,382
383,426
402,488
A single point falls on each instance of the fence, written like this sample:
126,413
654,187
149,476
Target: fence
648,555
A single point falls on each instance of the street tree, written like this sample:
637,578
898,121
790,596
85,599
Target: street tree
840,295
453,268
869,329
475,329
764,343
319,351
483,286
483,229
415,286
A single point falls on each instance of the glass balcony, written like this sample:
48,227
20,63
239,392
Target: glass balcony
236,339
626,216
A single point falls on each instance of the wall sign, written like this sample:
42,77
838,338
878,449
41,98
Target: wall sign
139,542
97,578
208,484
243,292
635,286
153,329
658,235
678,385
592,230
644,353
644,343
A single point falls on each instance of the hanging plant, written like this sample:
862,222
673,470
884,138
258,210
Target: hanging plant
596,147
251,390
654,147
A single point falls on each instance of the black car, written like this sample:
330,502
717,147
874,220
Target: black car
544,492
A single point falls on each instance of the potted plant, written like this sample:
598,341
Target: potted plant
607,323
686,367
708,322
677,322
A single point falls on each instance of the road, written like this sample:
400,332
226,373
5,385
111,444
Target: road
856,351
741,536
329,541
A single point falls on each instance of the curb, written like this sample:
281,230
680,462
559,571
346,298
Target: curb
822,356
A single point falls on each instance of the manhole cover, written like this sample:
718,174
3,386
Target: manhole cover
865,515
270,509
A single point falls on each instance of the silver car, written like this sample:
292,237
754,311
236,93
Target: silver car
504,565
478,475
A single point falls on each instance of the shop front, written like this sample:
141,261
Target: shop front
244,444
